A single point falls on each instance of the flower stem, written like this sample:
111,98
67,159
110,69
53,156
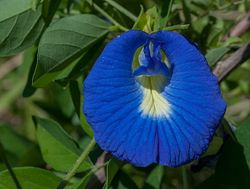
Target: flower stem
77,164
122,10
184,178
104,13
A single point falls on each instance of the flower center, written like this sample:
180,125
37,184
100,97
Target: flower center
152,61
152,72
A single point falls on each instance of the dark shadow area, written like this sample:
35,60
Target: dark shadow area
232,171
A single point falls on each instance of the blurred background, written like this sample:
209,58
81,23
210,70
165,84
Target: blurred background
219,27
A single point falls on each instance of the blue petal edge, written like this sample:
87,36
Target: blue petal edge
113,100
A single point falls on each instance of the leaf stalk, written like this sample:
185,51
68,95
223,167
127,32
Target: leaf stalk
77,164
104,13
122,10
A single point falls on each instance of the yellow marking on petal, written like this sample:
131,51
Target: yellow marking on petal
153,103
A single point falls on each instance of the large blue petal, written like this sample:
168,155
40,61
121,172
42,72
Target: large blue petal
113,101
193,92
112,98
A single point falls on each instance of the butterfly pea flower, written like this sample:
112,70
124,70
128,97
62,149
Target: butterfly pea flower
151,98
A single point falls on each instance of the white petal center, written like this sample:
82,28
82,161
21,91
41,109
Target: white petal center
153,103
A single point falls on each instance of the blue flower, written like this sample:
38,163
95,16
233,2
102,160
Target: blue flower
151,98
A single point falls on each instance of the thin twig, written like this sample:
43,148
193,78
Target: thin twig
122,10
77,164
241,27
104,13
224,67
6,162
239,107
177,27
100,176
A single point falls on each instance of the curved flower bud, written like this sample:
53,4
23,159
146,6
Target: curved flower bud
151,98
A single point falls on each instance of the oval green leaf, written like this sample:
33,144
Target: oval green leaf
154,178
214,55
63,42
243,136
11,8
58,149
29,178
20,26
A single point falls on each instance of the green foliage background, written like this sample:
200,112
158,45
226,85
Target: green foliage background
47,48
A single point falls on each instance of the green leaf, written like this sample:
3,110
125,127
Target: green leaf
35,4
18,148
58,148
141,20
83,182
233,168
208,183
11,8
199,24
214,55
123,181
29,89
63,42
62,78
231,171
111,170
228,129
147,21
213,36
232,41
154,179
165,12
243,136
86,127
29,178
214,146
49,9
20,26
87,60
8,166
76,96
13,143
84,123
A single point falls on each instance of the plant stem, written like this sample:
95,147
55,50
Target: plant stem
122,10
77,164
224,67
177,27
186,12
184,177
104,13
6,162
169,8
79,161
